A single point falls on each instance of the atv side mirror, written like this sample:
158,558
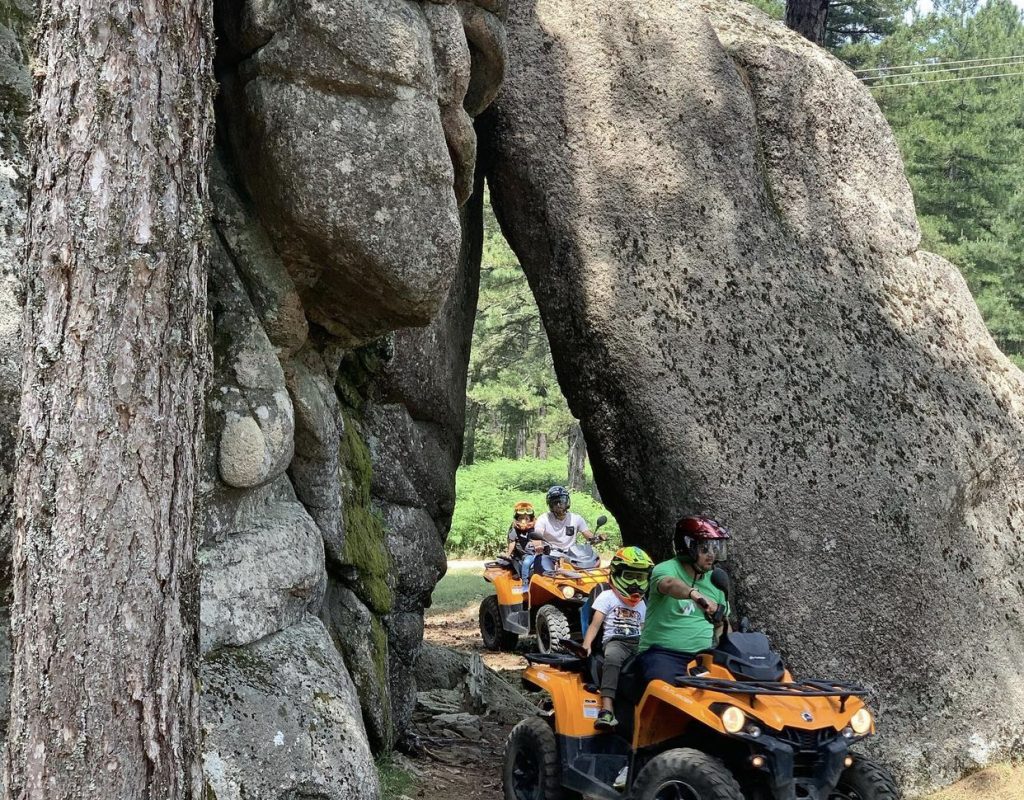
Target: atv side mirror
744,625
601,520
720,578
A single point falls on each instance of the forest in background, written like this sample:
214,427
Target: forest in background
961,134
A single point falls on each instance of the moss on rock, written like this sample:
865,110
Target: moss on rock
365,547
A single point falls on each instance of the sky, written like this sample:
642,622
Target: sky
924,6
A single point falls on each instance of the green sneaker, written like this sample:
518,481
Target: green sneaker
606,721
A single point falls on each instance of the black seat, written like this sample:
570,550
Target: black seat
565,661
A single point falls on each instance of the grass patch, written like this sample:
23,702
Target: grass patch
394,781
458,589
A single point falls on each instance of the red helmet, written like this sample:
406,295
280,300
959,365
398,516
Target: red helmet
695,535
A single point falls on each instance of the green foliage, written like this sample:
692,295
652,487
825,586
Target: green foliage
486,492
394,780
776,9
365,545
513,400
863,20
457,590
963,145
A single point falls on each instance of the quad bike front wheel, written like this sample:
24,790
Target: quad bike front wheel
491,630
685,774
865,780
532,770
552,626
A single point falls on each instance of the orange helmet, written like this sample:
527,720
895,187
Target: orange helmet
523,516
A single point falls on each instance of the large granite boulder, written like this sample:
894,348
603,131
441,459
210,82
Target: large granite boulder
415,423
347,149
350,120
281,719
715,220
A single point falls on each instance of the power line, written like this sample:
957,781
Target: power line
944,80
935,64
1016,60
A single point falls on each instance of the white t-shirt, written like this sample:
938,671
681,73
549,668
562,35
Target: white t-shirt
621,621
560,533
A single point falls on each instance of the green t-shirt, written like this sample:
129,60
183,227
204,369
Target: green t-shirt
678,624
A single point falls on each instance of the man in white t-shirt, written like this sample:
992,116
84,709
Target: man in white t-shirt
558,526
619,614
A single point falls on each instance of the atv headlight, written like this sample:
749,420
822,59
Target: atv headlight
733,719
568,592
861,722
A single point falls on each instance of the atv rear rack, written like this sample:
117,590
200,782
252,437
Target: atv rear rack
805,688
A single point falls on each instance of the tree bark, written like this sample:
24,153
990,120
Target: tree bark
104,698
577,457
472,418
522,433
808,18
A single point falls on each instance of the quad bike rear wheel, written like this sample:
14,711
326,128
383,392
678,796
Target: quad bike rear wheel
865,780
532,770
552,626
491,631
685,774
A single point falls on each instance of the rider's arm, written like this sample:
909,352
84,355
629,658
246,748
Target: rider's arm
674,587
681,590
595,626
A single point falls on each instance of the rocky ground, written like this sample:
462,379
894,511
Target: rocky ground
464,712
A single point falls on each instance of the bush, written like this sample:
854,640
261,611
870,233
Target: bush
484,496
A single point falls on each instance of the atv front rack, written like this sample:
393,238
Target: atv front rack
805,688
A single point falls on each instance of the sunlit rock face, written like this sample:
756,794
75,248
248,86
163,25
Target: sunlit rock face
350,119
716,223
346,150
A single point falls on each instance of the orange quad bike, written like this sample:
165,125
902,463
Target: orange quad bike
554,604
735,726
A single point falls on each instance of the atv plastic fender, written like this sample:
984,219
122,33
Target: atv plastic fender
590,760
575,709
666,712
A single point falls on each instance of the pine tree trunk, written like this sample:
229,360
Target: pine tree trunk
808,18
577,457
540,449
522,434
104,699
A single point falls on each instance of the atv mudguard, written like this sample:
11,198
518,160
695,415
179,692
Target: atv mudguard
511,592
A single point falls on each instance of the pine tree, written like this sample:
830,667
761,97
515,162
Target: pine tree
104,694
963,143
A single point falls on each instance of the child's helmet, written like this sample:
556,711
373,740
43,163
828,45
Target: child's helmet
523,516
630,574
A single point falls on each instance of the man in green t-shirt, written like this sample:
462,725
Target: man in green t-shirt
683,602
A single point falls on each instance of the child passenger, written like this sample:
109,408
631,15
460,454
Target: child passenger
621,611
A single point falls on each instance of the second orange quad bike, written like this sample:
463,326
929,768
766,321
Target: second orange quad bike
735,725
553,604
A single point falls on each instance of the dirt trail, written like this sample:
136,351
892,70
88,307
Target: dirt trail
455,768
